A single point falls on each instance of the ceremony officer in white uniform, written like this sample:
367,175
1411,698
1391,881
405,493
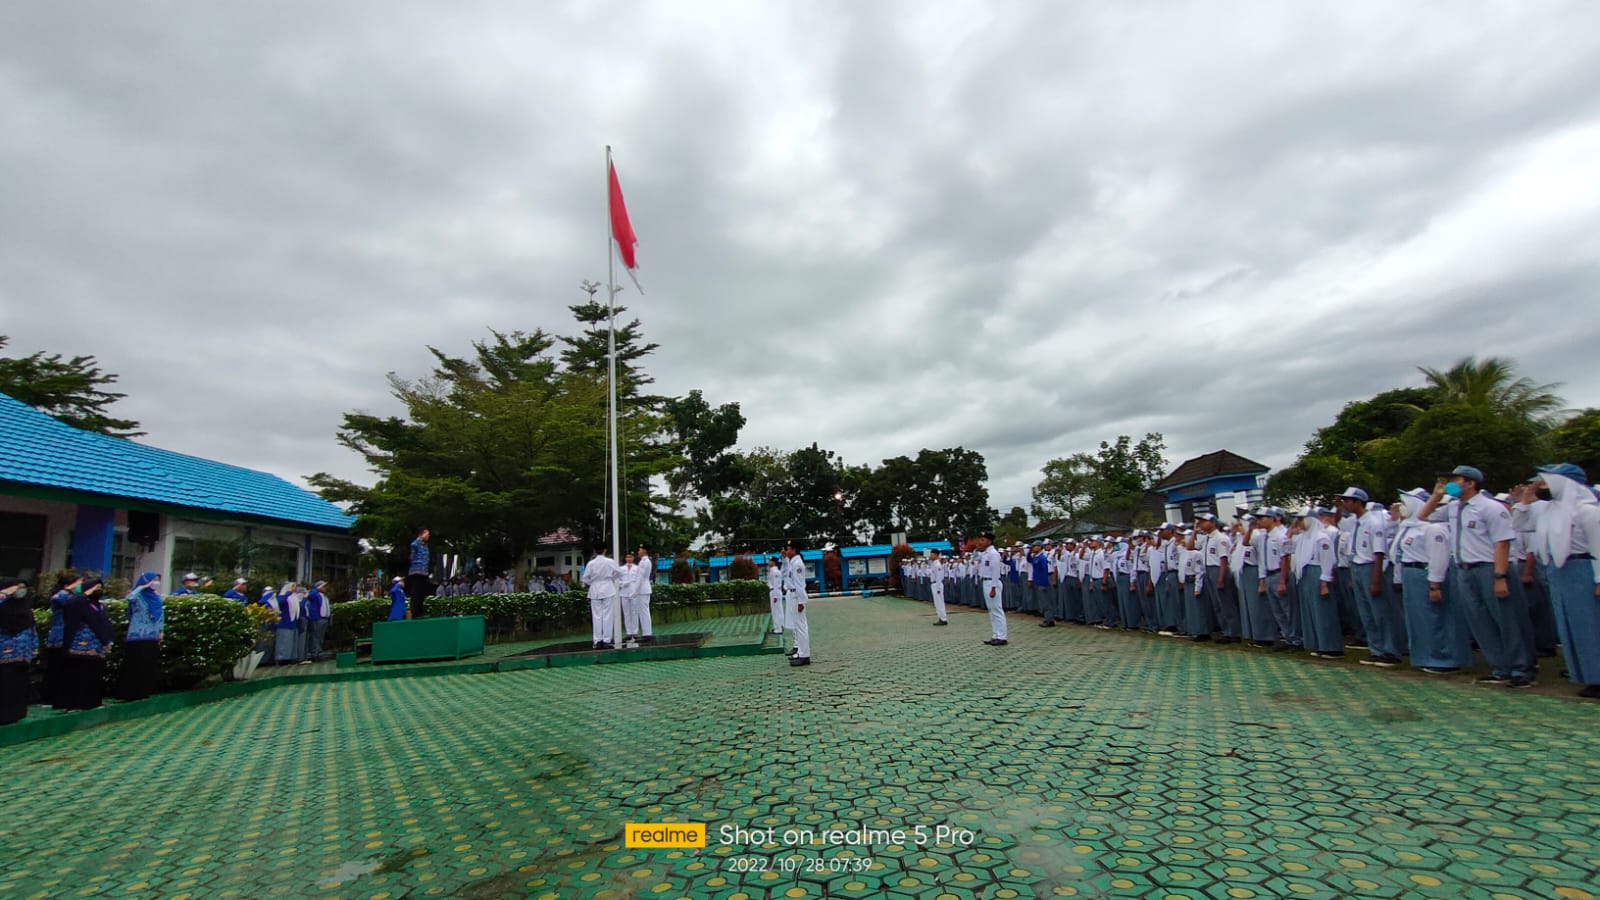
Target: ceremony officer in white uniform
991,574
600,577
794,595
935,567
775,592
647,580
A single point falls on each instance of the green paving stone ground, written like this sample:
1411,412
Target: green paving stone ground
1085,763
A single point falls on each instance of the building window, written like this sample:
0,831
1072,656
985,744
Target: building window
545,562
204,556
124,558
21,544
334,567
274,564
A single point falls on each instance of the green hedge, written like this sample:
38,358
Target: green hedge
204,635
353,619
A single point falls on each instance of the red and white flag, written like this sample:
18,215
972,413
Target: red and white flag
622,230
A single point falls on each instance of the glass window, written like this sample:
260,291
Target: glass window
21,544
336,568
273,563
544,562
204,556
124,558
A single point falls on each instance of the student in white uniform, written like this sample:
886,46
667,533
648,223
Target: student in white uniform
794,594
991,574
935,567
600,577
647,580
775,592
628,594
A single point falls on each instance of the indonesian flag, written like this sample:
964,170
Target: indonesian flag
622,230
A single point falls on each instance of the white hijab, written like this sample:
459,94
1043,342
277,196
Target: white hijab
1552,536
1312,528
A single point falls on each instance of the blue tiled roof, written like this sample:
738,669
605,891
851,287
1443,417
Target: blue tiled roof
38,450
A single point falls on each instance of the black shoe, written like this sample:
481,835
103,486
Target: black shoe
1281,647
1262,644
1227,640
1520,683
1047,624
1492,679
1200,638
1328,655
1439,670
648,639
800,661
1167,632
995,642
791,651
941,622
1590,692
1354,644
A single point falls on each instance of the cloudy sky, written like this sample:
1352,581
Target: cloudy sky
1018,227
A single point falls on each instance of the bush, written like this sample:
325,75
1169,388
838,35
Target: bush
682,572
353,619
896,556
516,613
742,569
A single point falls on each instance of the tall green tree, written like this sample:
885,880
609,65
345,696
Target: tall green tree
508,443
1067,487
1577,441
1493,384
1347,452
1105,487
66,388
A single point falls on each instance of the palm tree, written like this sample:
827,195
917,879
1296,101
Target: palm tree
1492,383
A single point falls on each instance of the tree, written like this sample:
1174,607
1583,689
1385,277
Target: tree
1106,487
65,389
1011,527
502,446
1577,441
1451,434
1067,487
1492,384
1346,452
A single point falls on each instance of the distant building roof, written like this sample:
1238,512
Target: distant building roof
43,453
1207,467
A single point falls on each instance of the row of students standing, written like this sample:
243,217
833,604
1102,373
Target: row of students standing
77,642
301,620
1425,578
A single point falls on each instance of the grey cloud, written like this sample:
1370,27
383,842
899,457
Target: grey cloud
880,227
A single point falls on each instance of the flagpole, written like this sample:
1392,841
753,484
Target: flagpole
611,396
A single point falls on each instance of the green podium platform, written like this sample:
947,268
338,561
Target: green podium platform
409,640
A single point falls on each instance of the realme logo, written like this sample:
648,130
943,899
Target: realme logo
666,835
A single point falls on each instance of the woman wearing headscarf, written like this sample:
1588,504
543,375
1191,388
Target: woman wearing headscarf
1566,538
67,587
1436,625
141,656
88,640
286,649
269,632
397,599
318,611
19,644
1315,560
